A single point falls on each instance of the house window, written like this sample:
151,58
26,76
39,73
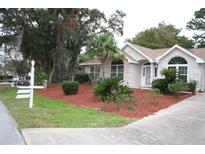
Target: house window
143,71
178,60
94,72
155,72
117,69
180,65
182,71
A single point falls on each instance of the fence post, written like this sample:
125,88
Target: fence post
32,84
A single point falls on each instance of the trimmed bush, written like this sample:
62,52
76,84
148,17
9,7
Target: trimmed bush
81,77
192,86
160,84
70,87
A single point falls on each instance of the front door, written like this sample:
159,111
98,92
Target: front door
146,72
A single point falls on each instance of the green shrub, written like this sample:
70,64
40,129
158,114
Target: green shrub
40,75
124,89
6,77
155,91
192,86
160,84
81,77
111,90
130,107
2,77
70,87
179,85
175,88
9,77
104,87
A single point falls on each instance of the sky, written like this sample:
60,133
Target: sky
140,14
143,15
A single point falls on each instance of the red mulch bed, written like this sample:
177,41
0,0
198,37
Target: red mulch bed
144,105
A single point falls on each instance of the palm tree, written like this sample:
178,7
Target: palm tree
104,47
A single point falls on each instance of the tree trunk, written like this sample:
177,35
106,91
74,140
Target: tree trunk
71,71
50,79
103,68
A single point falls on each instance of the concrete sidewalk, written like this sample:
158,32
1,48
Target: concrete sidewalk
182,123
9,135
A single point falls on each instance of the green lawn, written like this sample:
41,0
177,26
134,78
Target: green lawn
53,113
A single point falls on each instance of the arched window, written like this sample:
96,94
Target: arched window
177,60
117,68
180,65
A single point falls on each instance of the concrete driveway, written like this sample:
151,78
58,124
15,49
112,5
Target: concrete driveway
182,123
9,135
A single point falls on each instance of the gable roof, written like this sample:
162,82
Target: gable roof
200,52
198,59
152,53
140,51
157,54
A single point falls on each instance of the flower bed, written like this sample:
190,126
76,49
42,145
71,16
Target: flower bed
144,104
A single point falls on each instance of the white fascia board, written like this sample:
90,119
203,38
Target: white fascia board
131,61
198,60
150,59
87,64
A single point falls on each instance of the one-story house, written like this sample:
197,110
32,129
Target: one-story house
141,65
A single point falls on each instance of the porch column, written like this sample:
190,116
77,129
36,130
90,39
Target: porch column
151,72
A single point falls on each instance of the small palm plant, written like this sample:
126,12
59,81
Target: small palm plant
111,90
104,47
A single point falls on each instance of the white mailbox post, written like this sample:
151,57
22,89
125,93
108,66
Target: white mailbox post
32,84
27,91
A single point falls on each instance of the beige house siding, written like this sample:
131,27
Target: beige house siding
193,69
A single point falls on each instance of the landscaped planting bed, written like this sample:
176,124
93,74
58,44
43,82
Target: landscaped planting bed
144,104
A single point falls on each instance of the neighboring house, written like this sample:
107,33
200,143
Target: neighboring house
142,65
